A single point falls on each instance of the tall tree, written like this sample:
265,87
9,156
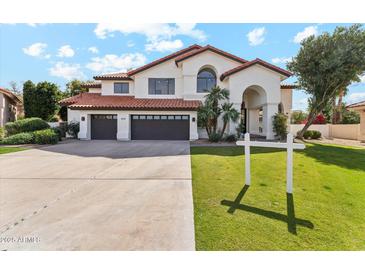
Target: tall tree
40,100
327,64
74,87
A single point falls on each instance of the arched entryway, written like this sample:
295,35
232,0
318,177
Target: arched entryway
252,110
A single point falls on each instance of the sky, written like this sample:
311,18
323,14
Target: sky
61,52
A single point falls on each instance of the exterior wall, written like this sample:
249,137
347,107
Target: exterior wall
191,67
267,83
351,132
5,113
323,129
2,110
124,121
165,70
362,126
107,88
286,100
94,90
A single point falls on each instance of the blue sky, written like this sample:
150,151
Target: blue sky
60,52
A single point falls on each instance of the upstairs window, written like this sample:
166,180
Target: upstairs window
161,86
121,88
206,80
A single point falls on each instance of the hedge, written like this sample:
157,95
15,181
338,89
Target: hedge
25,125
19,139
45,136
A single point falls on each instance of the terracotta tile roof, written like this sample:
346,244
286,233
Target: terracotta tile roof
288,86
92,85
13,97
97,101
113,76
357,105
213,49
254,62
166,58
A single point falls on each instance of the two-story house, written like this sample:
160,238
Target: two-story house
159,101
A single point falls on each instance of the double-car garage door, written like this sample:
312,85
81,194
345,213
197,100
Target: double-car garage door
143,127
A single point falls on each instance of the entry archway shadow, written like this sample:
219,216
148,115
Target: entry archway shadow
290,218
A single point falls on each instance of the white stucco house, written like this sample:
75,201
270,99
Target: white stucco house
160,100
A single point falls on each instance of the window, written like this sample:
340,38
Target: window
206,80
161,86
121,87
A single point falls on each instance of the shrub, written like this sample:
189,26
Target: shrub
25,125
307,134
215,137
241,129
230,138
316,134
280,125
73,129
350,117
298,117
45,136
58,131
19,139
320,119
2,133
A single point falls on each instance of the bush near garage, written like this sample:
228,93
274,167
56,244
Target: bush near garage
25,125
73,129
230,138
45,136
19,139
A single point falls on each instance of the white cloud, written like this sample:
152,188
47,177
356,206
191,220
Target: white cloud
37,50
112,62
32,24
151,31
164,45
256,36
362,78
93,49
67,71
281,60
66,51
308,31
355,97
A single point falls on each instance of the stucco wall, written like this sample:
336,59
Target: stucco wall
108,87
94,90
345,131
323,129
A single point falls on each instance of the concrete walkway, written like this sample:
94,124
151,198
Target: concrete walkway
97,195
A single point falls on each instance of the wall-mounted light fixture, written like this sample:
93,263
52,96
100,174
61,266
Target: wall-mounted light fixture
82,118
193,119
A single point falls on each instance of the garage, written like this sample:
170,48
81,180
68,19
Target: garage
104,127
160,127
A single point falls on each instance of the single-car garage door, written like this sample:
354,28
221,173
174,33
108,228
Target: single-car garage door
160,127
104,127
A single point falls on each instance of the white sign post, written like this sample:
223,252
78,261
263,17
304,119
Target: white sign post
289,145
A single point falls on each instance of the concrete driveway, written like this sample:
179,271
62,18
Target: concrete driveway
97,195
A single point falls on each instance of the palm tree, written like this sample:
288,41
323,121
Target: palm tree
212,99
228,114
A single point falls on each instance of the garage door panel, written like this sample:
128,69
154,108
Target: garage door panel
103,127
160,127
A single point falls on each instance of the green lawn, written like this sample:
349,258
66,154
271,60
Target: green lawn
325,212
4,150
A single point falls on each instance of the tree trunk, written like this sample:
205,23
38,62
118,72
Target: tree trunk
339,106
334,110
312,115
223,129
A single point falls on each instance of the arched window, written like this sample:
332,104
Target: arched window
206,80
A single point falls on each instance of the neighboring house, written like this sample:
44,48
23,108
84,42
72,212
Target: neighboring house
10,106
160,100
360,108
